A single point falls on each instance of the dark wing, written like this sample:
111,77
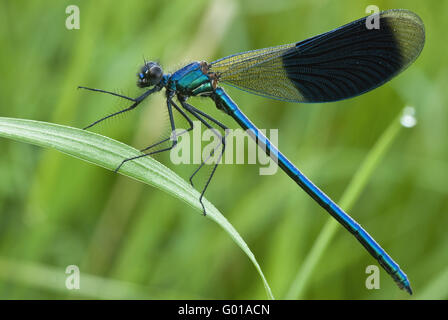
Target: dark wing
336,65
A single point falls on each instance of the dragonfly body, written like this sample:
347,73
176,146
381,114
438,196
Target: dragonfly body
336,65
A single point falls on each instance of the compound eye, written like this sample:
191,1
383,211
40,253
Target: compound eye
155,72
150,74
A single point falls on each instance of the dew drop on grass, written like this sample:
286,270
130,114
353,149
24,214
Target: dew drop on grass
408,118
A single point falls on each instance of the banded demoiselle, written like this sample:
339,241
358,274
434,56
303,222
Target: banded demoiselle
340,64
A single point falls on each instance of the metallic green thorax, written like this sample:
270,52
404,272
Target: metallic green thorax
192,80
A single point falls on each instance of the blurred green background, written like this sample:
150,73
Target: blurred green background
134,241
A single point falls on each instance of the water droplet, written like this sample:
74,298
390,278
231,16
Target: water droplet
408,118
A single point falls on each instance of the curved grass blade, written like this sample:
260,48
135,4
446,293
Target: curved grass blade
108,153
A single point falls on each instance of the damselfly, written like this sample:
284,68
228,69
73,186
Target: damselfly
340,64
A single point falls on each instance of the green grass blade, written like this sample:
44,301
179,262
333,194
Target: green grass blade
348,199
108,153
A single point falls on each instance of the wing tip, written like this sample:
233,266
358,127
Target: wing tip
409,31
